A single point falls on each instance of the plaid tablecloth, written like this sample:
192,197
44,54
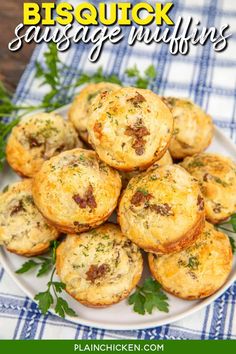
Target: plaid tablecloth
205,76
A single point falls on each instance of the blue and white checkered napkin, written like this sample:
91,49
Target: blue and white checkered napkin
203,75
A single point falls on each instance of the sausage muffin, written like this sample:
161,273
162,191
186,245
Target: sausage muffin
80,108
165,160
193,128
129,128
162,210
37,138
198,271
216,176
99,267
75,191
23,230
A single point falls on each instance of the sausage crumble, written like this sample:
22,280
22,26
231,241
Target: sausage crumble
138,131
96,272
140,197
17,208
87,200
162,209
138,98
200,202
33,142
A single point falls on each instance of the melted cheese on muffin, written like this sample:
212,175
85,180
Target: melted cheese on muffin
23,230
129,128
80,108
162,210
37,138
198,271
193,128
99,267
76,191
216,175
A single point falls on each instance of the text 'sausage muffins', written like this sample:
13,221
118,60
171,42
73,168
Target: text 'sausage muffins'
216,175
80,108
76,191
198,271
37,138
23,230
193,128
129,128
99,267
162,211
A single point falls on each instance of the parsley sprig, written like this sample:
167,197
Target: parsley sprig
50,296
97,77
46,300
148,297
45,264
51,74
139,80
5,129
6,109
223,226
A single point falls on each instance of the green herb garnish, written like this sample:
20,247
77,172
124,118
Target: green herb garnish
196,163
223,226
45,264
232,243
143,191
193,263
7,108
142,81
220,181
148,297
51,74
46,299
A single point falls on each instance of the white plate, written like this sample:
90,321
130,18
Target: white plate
120,316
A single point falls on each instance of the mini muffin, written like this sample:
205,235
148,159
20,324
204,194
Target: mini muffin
216,175
193,128
23,230
37,138
80,108
99,267
129,128
75,191
165,160
162,210
198,271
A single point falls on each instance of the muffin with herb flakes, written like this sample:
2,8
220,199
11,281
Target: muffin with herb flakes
99,267
216,176
162,210
81,105
23,230
193,128
37,138
75,191
165,160
198,271
129,128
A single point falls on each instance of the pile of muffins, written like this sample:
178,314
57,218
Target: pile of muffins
116,152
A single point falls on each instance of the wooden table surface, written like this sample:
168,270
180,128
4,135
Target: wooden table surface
12,64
